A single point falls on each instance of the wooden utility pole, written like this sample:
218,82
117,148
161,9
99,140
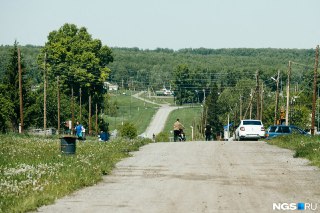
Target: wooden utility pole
72,111
58,92
20,92
80,105
89,131
97,119
314,97
45,95
277,99
288,93
250,105
240,107
261,96
258,95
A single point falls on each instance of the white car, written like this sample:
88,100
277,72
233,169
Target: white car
250,129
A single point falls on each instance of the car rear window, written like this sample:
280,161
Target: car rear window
283,129
251,122
273,129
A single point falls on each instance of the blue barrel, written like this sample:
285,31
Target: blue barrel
68,145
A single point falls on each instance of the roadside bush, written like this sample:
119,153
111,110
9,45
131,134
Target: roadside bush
128,130
162,137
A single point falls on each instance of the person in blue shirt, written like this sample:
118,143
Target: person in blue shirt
104,136
79,129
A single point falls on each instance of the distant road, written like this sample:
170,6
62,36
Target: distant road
159,119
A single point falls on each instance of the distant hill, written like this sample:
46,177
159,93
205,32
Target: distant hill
137,68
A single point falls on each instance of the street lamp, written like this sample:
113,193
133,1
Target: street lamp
277,97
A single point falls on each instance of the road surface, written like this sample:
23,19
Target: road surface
159,119
199,177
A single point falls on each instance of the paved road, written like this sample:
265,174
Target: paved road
159,119
199,177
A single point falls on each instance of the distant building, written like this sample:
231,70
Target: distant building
111,87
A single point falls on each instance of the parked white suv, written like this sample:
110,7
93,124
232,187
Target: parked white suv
250,129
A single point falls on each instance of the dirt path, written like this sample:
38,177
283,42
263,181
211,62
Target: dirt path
199,177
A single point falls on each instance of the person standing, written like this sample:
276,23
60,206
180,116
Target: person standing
177,128
208,132
78,129
83,130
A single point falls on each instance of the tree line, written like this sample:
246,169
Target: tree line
82,64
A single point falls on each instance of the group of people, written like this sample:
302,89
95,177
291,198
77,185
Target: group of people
81,131
178,133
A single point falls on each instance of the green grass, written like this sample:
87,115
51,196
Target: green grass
34,172
131,110
303,146
189,116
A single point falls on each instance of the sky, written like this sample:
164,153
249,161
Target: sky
173,24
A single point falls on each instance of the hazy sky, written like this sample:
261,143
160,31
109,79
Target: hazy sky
174,24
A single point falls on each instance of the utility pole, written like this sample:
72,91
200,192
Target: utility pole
97,119
20,92
277,99
261,96
258,96
250,105
72,110
80,105
314,97
89,115
288,93
58,92
45,95
240,107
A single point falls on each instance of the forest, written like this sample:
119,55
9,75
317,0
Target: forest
231,78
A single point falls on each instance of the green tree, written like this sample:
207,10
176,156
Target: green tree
212,110
11,83
182,83
6,111
79,60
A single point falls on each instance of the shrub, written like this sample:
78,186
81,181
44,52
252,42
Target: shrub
128,130
162,137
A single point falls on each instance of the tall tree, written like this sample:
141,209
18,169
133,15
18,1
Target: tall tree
182,83
212,110
77,58
80,62
11,82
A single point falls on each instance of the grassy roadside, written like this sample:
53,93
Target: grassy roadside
304,146
33,172
131,110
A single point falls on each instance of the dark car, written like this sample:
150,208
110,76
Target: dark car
276,130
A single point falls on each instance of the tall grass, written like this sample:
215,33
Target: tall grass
33,172
303,146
